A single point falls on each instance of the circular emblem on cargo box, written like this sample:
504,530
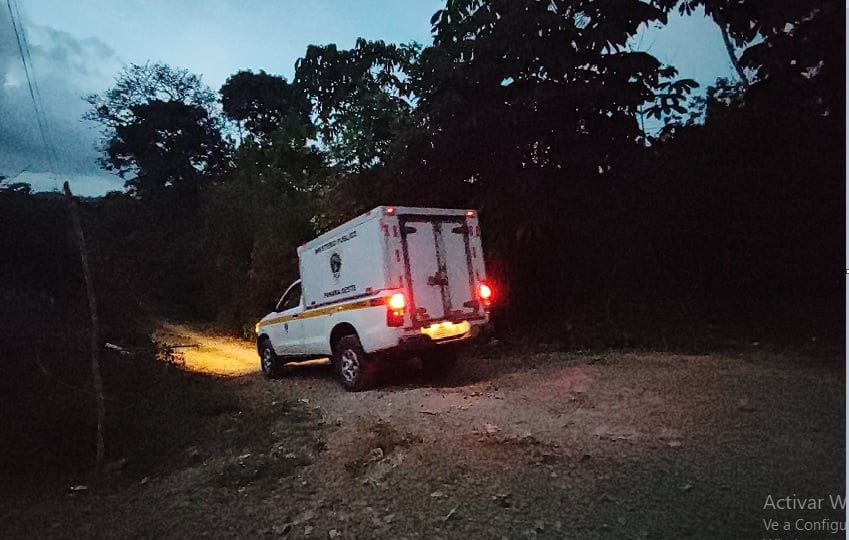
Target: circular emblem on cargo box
335,264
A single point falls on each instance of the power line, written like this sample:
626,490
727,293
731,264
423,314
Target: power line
32,84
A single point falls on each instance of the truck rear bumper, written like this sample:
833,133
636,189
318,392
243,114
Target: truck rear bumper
420,342
411,340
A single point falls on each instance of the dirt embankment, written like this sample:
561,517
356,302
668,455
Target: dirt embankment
511,445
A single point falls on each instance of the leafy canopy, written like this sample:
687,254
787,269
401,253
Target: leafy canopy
263,103
161,128
168,143
142,83
543,84
361,98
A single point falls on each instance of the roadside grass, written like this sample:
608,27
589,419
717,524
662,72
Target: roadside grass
158,410
154,409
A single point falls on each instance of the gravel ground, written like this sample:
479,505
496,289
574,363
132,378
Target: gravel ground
510,445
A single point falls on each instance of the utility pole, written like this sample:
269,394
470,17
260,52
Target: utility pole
95,326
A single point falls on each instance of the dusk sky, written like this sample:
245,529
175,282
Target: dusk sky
77,48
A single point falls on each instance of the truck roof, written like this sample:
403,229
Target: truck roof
382,211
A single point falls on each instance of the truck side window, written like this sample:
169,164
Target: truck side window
292,299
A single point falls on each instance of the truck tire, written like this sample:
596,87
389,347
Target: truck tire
272,366
355,371
439,362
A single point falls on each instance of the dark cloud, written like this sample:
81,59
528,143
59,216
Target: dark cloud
66,69
83,57
8,46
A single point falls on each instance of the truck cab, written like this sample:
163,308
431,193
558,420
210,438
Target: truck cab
288,334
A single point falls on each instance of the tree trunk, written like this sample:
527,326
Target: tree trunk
729,46
95,327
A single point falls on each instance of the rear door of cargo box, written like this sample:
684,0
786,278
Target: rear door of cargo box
438,266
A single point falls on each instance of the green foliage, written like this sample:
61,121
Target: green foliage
16,187
163,136
793,50
46,396
361,98
161,129
140,84
720,101
263,103
537,86
36,256
167,144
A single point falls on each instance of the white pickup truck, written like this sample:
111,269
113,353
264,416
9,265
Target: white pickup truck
395,281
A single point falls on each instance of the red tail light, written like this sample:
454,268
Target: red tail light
397,301
485,294
396,308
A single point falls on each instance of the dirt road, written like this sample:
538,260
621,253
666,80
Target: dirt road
511,445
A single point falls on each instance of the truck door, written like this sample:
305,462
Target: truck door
287,333
438,266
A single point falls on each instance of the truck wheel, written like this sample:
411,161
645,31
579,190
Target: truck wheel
272,366
354,369
439,362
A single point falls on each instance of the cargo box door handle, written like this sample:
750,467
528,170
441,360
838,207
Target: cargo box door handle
406,229
461,229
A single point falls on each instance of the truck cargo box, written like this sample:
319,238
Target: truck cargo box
433,254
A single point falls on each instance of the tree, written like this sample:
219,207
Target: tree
794,51
263,103
758,222
252,223
167,144
161,130
361,98
162,135
138,84
543,83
